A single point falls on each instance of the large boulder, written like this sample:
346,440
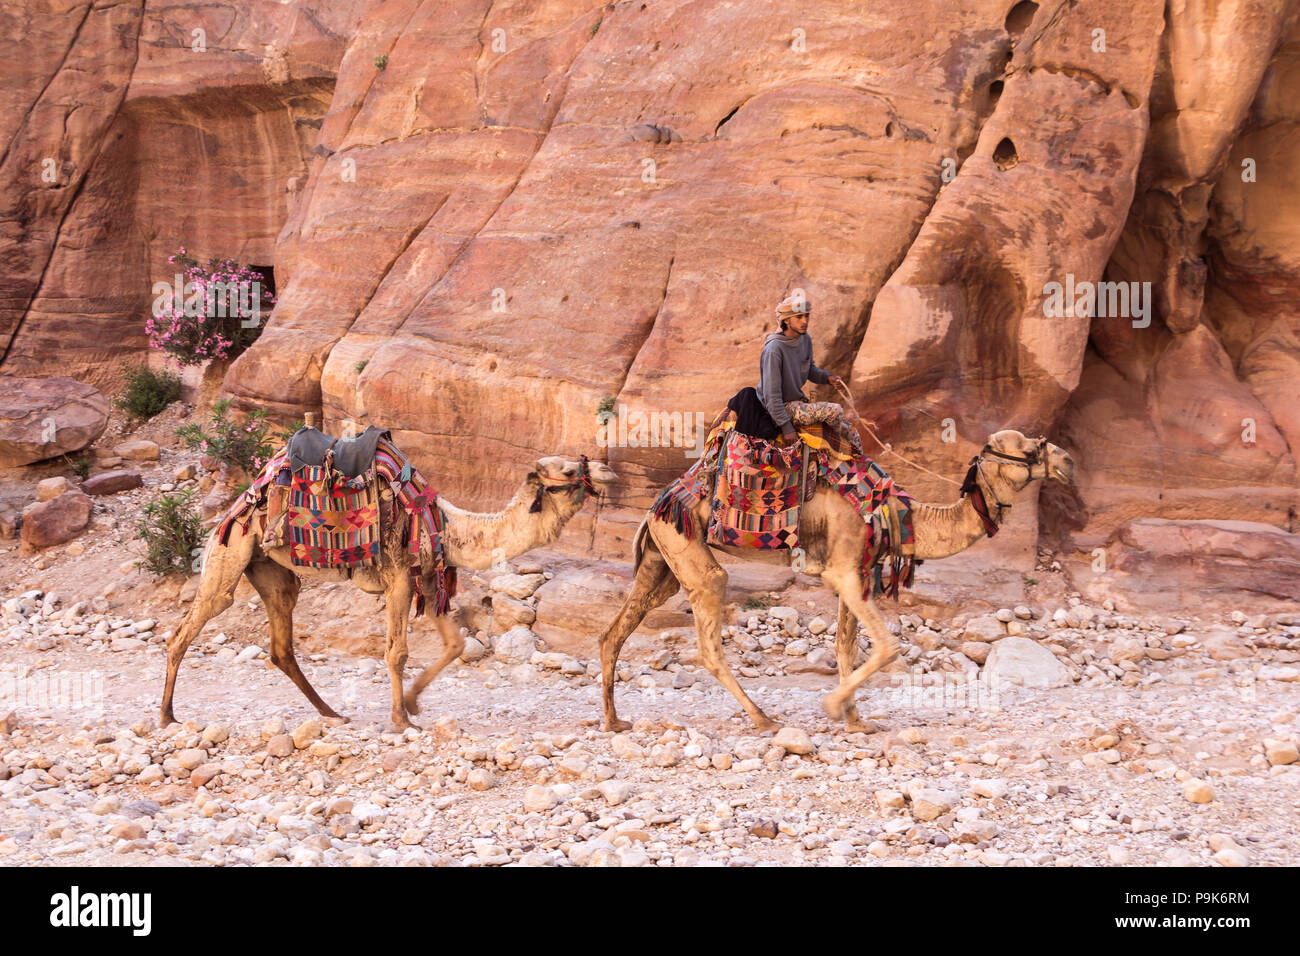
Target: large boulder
44,417
1018,660
111,482
56,521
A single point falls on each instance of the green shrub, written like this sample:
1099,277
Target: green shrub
245,443
381,61
761,603
361,365
78,466
172,532
605,410
147,392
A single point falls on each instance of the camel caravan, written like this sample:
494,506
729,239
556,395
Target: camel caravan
778,474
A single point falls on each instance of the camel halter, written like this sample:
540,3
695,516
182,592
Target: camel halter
553,485
969,486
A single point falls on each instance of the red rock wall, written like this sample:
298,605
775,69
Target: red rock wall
535,207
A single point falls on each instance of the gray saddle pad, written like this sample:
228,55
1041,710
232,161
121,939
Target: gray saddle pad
352,456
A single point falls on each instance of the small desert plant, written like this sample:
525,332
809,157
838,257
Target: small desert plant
361,366
241,443
79,466
147,392
381,61
605,410
172,532
594,27
760,603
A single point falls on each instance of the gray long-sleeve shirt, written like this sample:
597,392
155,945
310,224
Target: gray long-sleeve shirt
784,367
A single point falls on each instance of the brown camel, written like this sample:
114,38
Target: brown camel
470,541
833,535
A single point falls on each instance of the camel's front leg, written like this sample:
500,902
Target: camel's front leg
222,568
452,646
848,585
653,585
397,601
705,582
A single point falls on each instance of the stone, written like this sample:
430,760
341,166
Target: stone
56,521
43,418
306,732
1127,649
474,651
137,450
540,799
480,779
281,745
929,804
507,612
517,586
983,629
1020,661
890,799
1198,791
992,788
1279,753
1231,857
794,741
617,792
128,830
515,646
111,482
818,625
48,488
979,653
1225,645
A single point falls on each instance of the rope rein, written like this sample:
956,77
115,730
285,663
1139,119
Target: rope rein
888,449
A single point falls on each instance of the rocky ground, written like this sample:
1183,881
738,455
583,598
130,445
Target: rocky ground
1168,742
1051,733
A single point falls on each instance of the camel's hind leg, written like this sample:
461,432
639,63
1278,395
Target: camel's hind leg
222,568
278,587
846,647
693,564
653,585
848,585
452,646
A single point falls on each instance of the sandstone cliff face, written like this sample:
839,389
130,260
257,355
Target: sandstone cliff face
535,207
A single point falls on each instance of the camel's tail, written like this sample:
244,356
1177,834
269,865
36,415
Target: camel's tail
638,543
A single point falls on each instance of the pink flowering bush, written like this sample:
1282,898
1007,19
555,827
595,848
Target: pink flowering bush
210,312
246,443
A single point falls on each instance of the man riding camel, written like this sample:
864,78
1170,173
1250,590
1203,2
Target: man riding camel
786,364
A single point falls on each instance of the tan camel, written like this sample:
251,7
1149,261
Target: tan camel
832,535
470,541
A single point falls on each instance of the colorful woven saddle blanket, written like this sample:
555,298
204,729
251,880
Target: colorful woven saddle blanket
756,494
329,519
756,497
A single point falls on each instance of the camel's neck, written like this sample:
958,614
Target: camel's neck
479,541
944,530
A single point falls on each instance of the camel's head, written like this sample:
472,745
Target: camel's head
1020,459
571,480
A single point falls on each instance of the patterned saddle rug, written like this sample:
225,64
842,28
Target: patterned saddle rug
757,498
329,519
756,495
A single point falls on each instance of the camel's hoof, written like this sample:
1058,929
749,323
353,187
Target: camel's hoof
335,720
767,726
834,707
618,726
855,725
412,704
